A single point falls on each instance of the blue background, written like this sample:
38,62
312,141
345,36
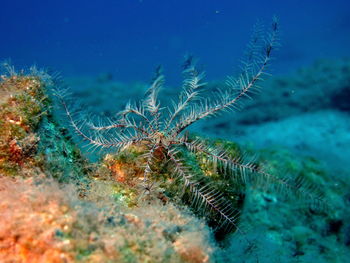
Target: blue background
129,38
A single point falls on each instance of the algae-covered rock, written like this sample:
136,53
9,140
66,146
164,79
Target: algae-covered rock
86,212
125,171
102,212
31,140
43,222
294,229
22,107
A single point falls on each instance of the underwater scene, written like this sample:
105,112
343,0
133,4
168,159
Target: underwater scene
195,131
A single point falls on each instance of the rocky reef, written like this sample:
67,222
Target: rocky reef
42,221
57,206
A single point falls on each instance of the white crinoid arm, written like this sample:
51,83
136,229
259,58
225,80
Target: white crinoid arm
151,102
148,156
95,138
136,110
191,89
122,124
253,71
205,196
249,171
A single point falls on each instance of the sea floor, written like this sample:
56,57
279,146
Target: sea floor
59,205
304,115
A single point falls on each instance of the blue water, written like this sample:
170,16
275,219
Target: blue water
129,38
307,113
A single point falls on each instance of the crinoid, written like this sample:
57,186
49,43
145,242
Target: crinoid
161,130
